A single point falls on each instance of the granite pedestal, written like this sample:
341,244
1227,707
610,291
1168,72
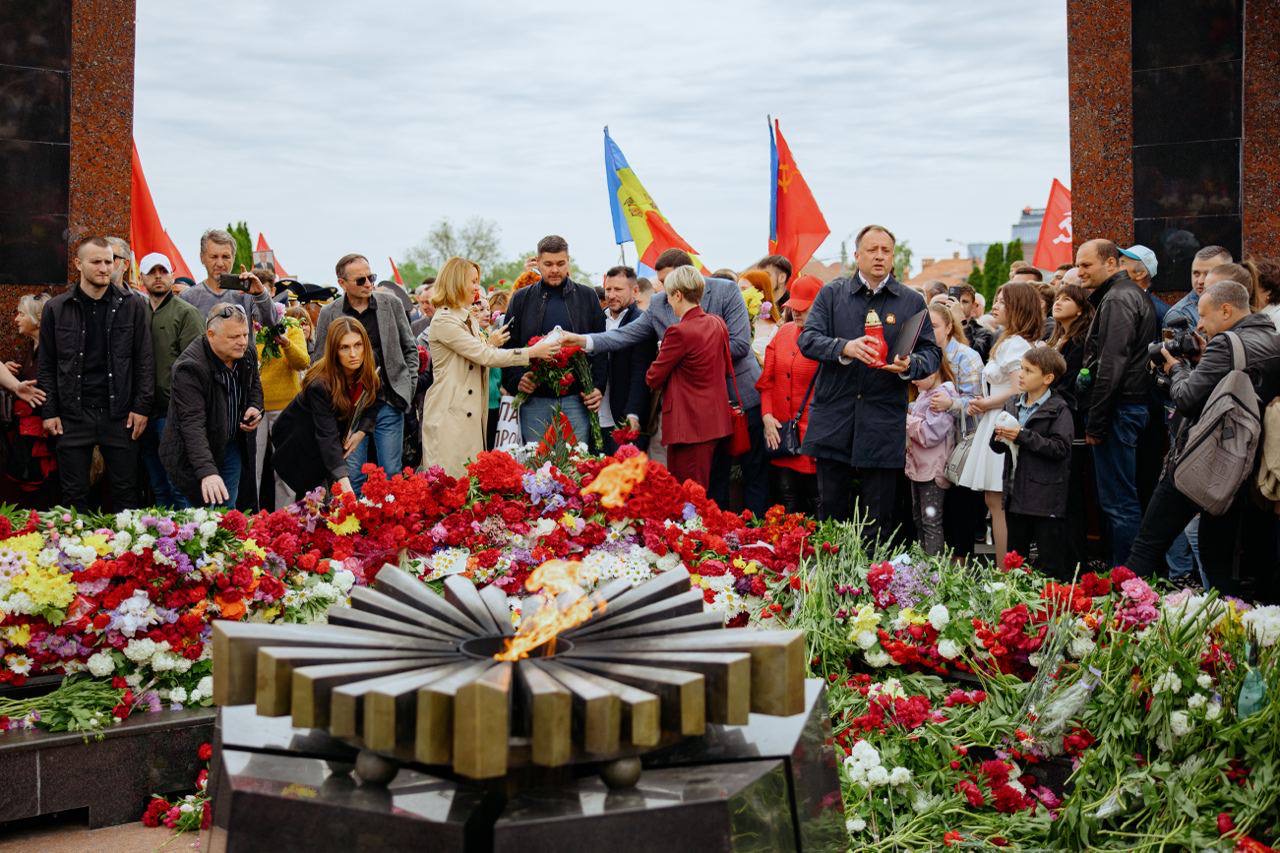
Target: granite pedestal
771,784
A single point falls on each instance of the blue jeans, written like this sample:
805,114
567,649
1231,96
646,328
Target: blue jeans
1115,469
537,412
230,470
388,438
162,488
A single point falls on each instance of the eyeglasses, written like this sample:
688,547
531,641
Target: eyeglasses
120,258
359,282
225,311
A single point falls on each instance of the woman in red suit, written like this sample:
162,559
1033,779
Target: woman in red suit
784,385
690,371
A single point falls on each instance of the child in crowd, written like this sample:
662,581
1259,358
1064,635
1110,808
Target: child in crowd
929,442
1036,477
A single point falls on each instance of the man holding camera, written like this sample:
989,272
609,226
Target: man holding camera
222,286
1224,306
1115,352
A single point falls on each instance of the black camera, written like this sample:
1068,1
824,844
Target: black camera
1180,340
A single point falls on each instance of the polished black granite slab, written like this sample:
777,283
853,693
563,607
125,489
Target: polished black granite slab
36,33
1175,240
1188,103
35,104
114,777
1185,32
1186,179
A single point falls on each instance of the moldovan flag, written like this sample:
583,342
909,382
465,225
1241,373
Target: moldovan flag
263,247
395,271
636,217
1054,248
146,234
796,224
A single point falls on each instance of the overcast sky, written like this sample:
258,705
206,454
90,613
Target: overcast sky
342,126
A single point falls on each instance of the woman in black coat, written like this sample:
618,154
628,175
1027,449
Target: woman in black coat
320,428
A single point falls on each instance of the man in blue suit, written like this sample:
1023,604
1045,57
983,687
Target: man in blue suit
858,419
626,396
723,299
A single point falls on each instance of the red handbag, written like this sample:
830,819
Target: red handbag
740,438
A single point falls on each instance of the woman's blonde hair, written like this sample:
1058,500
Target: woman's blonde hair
33,305
950,315
686,281
453,284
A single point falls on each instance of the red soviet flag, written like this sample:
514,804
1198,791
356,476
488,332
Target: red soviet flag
1053,247
263,247
797,226
395,271
146,234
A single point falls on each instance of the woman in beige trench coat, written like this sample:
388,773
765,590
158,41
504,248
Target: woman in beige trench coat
457,405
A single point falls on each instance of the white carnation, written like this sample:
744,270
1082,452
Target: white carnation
877,658
344,580
1170,681
208,529
101,664
1196,701
866,640
949,649
1213,711
939,617
899,776
1080,647
178,694
877,776
1179,723
205,685
1204,680
855,824
1264,624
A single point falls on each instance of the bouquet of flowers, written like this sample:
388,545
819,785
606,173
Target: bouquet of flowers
560,374
268,337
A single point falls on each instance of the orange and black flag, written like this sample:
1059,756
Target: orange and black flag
796,224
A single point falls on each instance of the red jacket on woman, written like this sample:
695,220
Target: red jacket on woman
692,363
787,374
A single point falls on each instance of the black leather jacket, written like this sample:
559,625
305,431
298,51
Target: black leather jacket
1115,350
526,312
130,361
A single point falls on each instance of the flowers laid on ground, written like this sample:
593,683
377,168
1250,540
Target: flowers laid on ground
192,812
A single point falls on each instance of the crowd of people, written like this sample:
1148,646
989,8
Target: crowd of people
1052,424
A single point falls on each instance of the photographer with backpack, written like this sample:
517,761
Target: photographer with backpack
1215,453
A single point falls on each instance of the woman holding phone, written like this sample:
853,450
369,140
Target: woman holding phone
454,419
320,429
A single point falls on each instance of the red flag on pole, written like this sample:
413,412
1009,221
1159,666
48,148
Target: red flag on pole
263,247
665,237
395,272
146,234
797,226
1054,247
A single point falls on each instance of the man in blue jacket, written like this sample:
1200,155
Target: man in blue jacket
858,419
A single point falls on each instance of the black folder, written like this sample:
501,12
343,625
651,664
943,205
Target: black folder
908,333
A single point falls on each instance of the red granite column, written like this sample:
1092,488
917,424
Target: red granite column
1260,187
1099,63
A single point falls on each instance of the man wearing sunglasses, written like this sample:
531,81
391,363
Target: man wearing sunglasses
394,349
96,367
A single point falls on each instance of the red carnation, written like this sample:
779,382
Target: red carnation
1225,823
205,752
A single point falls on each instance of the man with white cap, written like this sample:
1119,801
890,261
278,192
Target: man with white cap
174,325
1140,263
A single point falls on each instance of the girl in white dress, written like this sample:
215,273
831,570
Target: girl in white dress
1020,311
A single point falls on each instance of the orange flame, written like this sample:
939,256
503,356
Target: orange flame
615,481
550,580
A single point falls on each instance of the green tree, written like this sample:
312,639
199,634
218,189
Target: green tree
244,245
995,271
477,239
976,280
1013,252
509,271
902,260
414,273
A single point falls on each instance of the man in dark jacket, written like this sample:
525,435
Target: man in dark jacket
556,300
626,396
95,365
1036,479
857,421
215,404
1224,306
1119,396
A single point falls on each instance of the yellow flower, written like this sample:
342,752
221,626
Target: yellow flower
695,580
349,525
18,635
911,617
49,588
751,568
753,298
27,546
98,542
254,548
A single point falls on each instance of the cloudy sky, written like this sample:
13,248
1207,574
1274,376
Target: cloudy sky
341,126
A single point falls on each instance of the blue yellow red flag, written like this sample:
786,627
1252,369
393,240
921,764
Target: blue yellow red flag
636,217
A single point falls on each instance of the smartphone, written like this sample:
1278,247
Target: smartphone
233,282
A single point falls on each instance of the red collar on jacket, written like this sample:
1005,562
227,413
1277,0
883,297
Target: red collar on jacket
695,311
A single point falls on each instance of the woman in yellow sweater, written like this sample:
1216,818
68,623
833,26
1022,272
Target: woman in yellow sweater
281,381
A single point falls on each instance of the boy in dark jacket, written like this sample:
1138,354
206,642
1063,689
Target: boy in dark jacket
1035,483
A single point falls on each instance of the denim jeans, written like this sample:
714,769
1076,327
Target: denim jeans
1183,556
536,414
230,470
163,491
388,438
1115,469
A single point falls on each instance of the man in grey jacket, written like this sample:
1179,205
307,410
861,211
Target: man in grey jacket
394,349
724,299
218,254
